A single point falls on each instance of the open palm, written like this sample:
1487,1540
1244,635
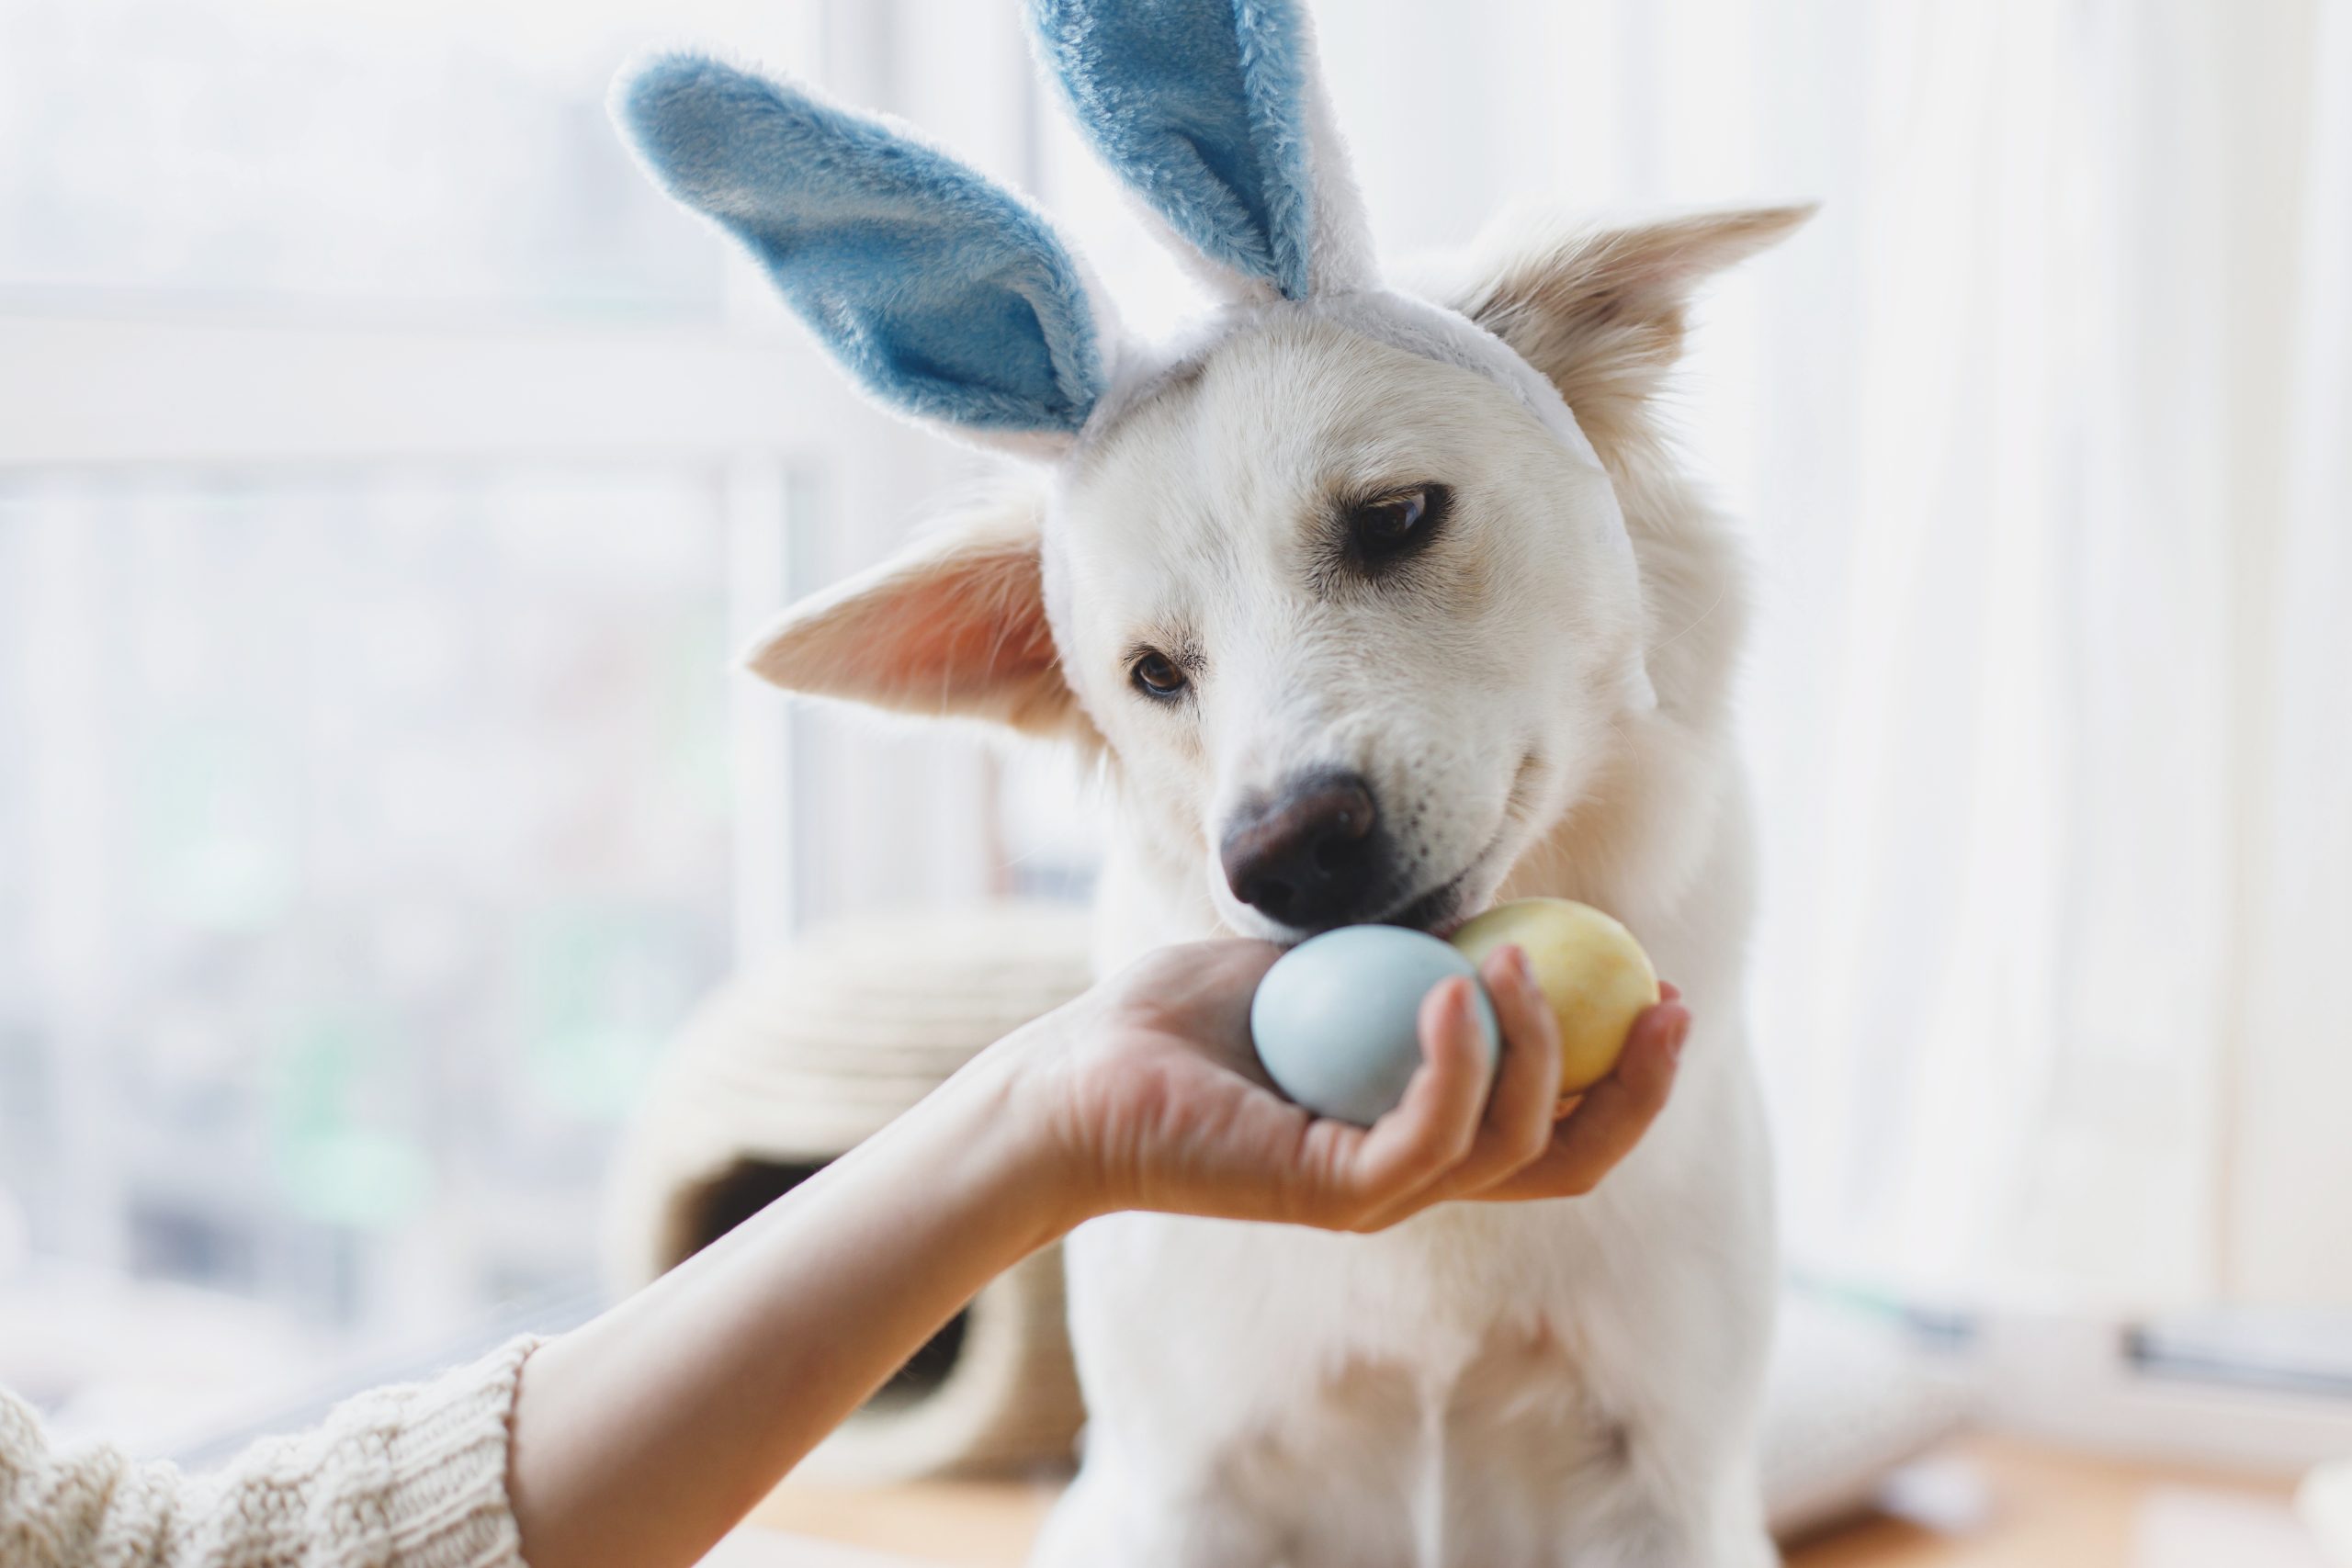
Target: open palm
1152,1085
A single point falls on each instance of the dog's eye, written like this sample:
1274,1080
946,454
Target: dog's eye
1389,527
1156,675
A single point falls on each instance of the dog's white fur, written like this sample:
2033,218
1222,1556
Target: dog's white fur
1485,1385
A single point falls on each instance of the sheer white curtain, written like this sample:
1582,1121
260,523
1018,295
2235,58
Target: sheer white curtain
2055,864
2290,1210
2041,428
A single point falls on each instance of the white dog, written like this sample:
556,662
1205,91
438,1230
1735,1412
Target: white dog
1374,607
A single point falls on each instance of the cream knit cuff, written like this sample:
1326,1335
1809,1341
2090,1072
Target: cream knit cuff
414,1476
443,1493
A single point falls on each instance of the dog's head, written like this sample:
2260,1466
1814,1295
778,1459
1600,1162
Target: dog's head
1340,587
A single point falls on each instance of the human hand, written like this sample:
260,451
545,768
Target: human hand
1147,1094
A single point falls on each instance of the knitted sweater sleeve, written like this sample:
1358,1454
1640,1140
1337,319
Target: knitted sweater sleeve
406,1477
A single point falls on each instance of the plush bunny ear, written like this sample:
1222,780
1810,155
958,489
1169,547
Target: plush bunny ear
938,291
1212,110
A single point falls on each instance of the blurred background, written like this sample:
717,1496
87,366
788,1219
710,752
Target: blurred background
387,474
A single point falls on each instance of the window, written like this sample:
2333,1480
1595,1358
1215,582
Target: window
376,826
386,473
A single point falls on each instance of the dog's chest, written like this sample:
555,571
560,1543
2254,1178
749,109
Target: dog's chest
1451,1375
1465,1297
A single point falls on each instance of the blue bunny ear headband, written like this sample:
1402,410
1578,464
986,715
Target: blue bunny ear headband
950,299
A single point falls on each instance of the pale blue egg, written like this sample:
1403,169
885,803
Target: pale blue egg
1335,1020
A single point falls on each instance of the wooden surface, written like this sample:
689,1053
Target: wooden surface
976,1523
2041,1509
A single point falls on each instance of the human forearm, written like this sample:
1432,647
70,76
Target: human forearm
642,1436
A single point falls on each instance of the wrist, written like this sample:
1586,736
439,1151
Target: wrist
1008,1110
1023,1089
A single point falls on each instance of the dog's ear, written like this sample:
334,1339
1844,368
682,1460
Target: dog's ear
1215,115
1602,311
946,296
953,627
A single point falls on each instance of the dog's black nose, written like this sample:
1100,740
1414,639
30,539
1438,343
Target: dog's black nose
1310,856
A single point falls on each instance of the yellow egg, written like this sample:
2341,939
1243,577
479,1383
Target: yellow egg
1593,972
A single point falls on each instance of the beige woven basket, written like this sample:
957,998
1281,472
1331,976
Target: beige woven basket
790,1066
